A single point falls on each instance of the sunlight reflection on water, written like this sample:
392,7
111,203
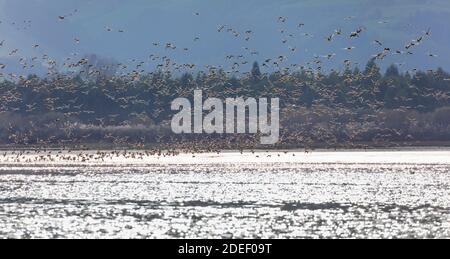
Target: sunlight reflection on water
214,199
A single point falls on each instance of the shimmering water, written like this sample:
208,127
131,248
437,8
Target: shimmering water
262,195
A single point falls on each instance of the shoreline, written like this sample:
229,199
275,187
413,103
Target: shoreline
17,160
423,146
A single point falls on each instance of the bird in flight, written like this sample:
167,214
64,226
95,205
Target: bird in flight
378,42
330,38
282,19
356,33
13,52
221,27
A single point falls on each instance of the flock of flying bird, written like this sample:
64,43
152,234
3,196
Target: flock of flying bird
134,69
39,156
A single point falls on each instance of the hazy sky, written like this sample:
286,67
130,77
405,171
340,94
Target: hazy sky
393,22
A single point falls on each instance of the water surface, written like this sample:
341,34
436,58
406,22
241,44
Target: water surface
389,194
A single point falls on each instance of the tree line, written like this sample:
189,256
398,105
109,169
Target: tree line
329,109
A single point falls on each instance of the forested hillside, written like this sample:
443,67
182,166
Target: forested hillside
318,109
